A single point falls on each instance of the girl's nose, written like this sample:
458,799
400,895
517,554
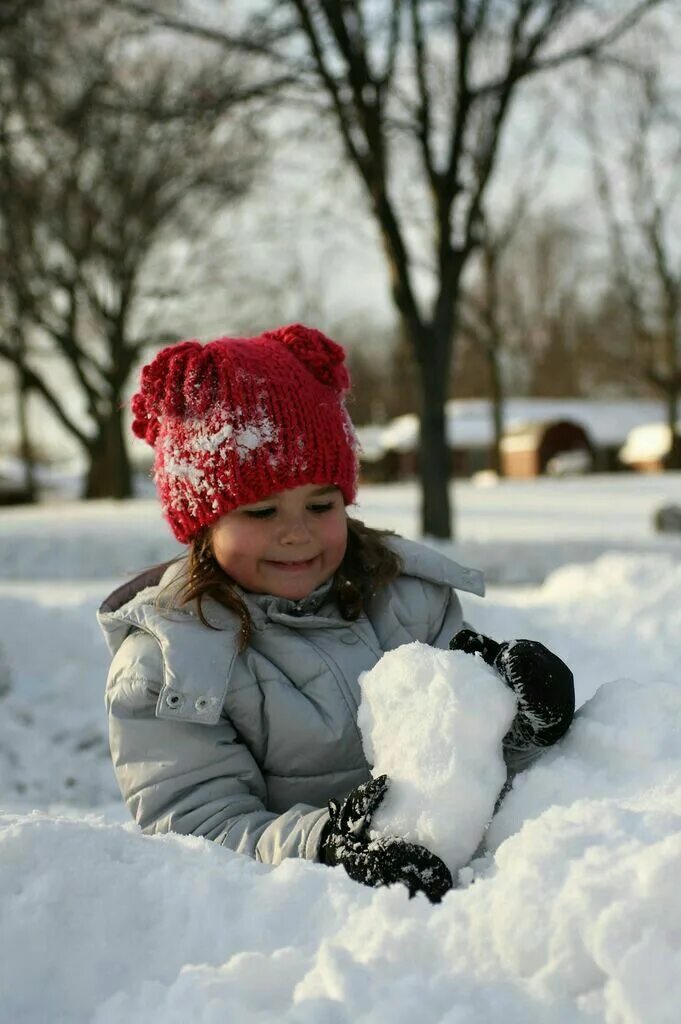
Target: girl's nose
295,531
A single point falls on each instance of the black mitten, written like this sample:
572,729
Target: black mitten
542,683
383,861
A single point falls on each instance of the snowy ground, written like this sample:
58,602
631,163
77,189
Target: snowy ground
573,915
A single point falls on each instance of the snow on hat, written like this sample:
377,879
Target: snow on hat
238,419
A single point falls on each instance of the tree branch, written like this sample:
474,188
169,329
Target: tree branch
246,44
480,17
461,105
32,380
591,49
623,275
352,45
384,80
214,104
324,72
423,126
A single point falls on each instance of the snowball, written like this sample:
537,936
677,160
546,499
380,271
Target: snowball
433,721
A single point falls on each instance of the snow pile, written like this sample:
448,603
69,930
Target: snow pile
433,722
574,917
571,916
54,747
97,540
516,532
617,616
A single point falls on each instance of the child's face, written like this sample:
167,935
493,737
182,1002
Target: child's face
285,545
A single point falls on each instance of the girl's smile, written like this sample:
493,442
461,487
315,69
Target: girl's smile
302,566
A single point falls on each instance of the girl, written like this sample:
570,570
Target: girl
233,691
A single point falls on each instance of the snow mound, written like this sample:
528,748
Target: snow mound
574,916
617,616
433,722
53,733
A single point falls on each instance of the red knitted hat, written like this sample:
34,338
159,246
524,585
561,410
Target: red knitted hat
238,419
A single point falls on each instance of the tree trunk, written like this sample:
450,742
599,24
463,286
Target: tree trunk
434,454
493,344
109,474
497,411
672,459
25,448
673,326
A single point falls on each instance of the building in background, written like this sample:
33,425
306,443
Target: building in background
542,436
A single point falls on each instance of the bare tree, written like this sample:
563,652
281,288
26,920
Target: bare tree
481,320
609,351
105,153
550,305
420,92
486,309
641,219
13,12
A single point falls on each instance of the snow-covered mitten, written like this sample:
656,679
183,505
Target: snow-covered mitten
542,683
376,862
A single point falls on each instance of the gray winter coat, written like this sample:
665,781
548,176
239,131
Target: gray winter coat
246,749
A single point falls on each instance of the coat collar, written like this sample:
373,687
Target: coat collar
198,664
159,585
433,566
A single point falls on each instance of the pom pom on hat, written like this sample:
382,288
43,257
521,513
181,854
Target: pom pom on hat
238,419
323,357
161,385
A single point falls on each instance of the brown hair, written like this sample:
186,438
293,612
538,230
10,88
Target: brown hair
367,565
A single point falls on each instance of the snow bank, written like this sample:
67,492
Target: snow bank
516,532
83,540
574,916
617,616
433,722
53,663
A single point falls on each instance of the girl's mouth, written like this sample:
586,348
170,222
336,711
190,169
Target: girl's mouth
294,566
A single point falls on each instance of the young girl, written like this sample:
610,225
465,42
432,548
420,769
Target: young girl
233,691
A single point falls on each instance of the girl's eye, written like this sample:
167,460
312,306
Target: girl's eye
325,507
259,513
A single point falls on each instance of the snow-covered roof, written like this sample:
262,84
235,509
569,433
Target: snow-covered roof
646,442
400,434
469,421
370,442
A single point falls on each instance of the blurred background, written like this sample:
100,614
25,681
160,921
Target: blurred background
479,200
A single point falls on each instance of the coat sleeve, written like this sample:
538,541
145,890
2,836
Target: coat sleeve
191,778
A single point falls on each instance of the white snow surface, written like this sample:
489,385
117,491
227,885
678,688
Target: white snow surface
433,722
571,914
